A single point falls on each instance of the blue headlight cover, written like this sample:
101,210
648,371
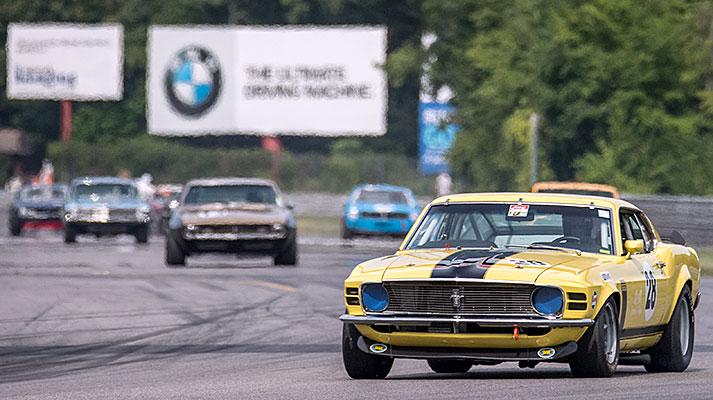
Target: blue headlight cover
374,297
547,300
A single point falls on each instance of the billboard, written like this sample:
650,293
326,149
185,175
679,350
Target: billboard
436,137
325,81
65,61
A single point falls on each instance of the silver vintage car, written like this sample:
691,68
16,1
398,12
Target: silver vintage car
105,206
232,215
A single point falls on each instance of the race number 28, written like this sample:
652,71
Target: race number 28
650,301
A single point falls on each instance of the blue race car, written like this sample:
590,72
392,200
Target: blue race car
379,210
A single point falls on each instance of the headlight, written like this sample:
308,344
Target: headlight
374,297
191,228
173,204
547,300
353,213
22,211
142,213
278,228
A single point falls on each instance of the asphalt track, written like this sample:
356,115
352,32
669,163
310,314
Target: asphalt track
104,318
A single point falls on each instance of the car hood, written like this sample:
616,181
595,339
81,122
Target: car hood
497,264
126,202
233,214
383,207
39,204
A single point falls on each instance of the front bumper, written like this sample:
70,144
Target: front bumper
379,226
490,322
559,352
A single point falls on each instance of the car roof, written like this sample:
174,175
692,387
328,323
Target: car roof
230,181
102,179
528,197
383,187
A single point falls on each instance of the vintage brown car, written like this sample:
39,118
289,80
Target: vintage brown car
232,215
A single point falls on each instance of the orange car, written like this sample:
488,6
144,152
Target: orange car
592,189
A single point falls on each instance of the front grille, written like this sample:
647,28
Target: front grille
244,229
450,298
122,215
384,215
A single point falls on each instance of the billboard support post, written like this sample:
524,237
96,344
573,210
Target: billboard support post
65,121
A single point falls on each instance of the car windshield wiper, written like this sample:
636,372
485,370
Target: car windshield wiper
544,247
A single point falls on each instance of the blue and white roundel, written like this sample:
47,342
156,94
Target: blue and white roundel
193,81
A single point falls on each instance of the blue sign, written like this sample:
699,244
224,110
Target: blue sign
435,139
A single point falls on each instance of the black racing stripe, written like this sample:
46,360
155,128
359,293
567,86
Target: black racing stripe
645,331
624,296
468,263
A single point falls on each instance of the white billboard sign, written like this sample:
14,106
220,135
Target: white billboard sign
324,81
65,61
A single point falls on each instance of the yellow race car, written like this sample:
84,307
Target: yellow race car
527,277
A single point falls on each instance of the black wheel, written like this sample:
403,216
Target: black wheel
674,350
597,352
174,252
142,235
358,364
450,366
346,232
289,255
15,227
70,233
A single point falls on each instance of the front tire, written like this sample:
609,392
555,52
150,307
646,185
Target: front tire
15,227
449,366
289,255
346,232
174,251
142,235
70,233
358,364
597,352
674,350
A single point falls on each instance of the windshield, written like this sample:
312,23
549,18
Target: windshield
42,193
382,196
104,191
231,193
499,225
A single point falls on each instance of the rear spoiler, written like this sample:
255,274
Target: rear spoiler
674,237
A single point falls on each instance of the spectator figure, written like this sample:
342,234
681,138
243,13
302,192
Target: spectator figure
443,184
146,189
46,176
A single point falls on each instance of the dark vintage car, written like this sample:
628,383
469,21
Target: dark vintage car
105,206
35,207
232,215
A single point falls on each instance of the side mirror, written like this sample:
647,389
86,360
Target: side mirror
633,246
290,205
675,238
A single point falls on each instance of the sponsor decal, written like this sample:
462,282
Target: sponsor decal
468,263
378,348
193,81
603,213
606,276
546,352
518,210
530,263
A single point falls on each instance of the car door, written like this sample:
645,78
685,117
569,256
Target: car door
641,305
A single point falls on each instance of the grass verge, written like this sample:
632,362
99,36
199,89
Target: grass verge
320,226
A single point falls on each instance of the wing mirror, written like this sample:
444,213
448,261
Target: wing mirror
291,205
633,247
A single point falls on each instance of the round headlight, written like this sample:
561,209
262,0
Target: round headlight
374,297
547,300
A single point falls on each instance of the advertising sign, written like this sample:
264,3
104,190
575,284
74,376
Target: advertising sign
65,61
435,138
325,81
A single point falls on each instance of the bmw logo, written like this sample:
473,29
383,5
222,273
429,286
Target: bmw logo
193,81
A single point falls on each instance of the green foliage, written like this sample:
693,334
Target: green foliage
620,89
168,161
